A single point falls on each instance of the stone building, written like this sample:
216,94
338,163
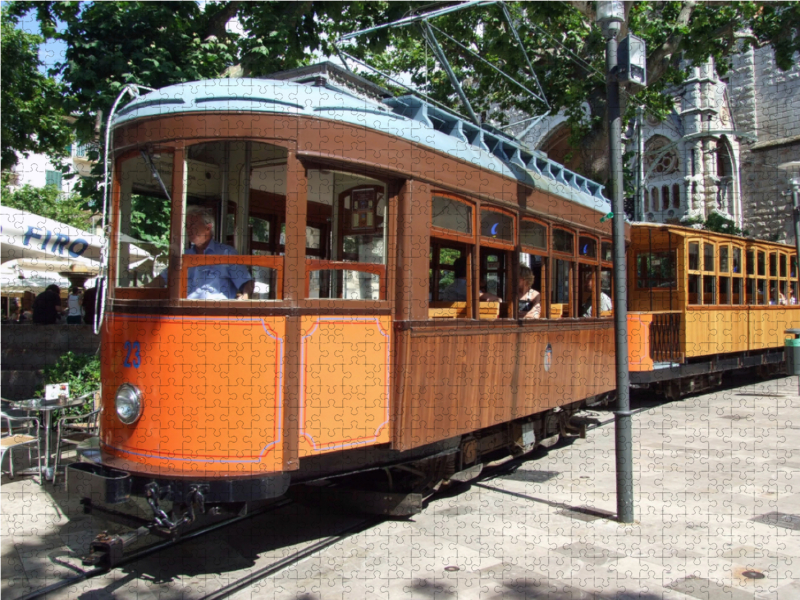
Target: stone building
766,103
718,150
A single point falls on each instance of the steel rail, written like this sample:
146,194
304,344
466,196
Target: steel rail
144,552
284,563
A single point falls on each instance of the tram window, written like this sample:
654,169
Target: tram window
737,260
251,220
655,270
587,282
783,298
607,286
533,235
587,247
761,291
762,268
793,298
708,257
452,214
773,292
497,225
493,273
738,292
607,252
724,265
694,256
531,297
783,265
563,241
793,271
724,290
259,234
694,288
709,289
773,264
751,264
448,272
143,228
560,290
356,233
751,291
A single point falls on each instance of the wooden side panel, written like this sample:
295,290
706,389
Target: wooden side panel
639,342
345,378
715,330
455,381
767,325
212,394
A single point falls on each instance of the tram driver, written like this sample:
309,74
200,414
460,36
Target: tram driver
210,282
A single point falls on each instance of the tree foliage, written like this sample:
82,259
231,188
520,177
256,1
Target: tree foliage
48,202
81,372
110,44
33,114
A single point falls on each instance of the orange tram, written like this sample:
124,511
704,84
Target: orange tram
355,302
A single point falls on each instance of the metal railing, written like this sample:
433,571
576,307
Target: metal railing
665,337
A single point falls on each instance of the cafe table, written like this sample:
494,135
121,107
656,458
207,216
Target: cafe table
46,408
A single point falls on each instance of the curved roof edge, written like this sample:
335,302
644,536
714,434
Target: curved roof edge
407,117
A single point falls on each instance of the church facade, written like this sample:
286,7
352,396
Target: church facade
718,150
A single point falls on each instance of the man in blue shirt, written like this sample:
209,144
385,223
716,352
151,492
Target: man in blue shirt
211,282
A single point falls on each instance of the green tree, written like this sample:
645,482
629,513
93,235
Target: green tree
155,44
33,113
48,202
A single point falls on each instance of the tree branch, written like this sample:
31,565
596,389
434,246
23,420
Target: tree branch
217,23
658,61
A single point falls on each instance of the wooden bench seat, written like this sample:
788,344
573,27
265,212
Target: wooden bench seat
458,310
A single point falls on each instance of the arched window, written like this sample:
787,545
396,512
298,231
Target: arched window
654,197
665,197
657,160
676,195
725,175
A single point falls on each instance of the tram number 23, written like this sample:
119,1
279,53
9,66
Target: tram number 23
133,358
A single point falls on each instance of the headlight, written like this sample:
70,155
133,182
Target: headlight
128,402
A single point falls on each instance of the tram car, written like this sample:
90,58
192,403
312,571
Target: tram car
355,283
702,303
341,292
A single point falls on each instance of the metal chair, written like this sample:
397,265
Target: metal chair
11,419
75,430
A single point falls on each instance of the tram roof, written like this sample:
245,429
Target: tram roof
407,117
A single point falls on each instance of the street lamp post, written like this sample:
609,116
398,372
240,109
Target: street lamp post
793,171
610,16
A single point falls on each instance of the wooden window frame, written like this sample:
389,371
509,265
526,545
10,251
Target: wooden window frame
588,260
531,249
606,263
339,265
557,253
494,242
740,276
697,272
450,234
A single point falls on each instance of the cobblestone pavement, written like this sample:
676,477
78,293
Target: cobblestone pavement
717,517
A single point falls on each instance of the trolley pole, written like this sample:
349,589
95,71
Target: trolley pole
611,23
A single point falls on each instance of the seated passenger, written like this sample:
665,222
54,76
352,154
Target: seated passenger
457,291
530,301
210,282
586,307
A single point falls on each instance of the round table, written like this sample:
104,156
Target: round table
46,407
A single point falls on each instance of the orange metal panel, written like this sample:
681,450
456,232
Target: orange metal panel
345,377
212,391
